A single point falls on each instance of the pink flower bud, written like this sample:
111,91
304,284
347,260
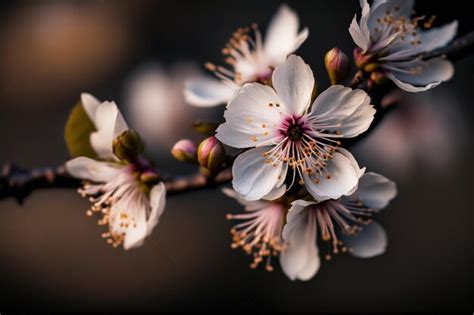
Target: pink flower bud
337,65
210,153
184,151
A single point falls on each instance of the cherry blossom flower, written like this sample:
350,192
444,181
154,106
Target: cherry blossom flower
284,132
126,194
259,232
392,43
344,222
250,59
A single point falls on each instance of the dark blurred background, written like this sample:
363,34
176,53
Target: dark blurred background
137,53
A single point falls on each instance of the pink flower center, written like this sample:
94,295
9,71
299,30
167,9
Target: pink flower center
294,127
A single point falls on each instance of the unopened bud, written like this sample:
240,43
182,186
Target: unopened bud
210,153
128,145
337,65
184,151
149,177
365,61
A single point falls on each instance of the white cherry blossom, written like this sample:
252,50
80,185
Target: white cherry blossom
250,59
119,191
344,222
393,41
285,133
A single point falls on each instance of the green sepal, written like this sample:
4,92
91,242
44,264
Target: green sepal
77,133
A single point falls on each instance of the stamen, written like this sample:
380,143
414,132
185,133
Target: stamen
259,233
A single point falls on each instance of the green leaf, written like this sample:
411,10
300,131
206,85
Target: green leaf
77,133
205,128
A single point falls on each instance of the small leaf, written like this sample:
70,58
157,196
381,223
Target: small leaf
205,128
77,133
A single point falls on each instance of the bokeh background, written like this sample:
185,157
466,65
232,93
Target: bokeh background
138,53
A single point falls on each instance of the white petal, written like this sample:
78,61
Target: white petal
357,35
349,111
379,9
204,91
275,193
370,242
136,232
90,104
301,259
157,205
375,191
109,123
282,36
294,82
250,120
345,174
363,23
89,169
253,177
432,73
253,205
297,208
438,37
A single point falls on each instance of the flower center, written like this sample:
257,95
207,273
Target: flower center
295,132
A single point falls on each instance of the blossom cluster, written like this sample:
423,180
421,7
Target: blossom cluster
299,184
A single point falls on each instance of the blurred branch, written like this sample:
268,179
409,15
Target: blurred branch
19,183
197,181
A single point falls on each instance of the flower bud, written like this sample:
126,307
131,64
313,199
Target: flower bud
337,65
210,153
149,177
184,151
128,145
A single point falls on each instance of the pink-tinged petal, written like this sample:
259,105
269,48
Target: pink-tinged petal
375,191
429,74
109,123
89,169
370,242
252,117
343,110
204,91
253,176
90,104
344,176
157,205
300,260
294,82
282,37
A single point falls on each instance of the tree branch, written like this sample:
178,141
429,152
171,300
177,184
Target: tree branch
19,183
